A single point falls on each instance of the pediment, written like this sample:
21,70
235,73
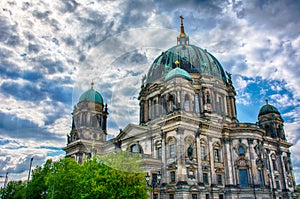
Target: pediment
131,130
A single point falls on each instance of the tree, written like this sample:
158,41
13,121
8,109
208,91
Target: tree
14,190
64,179
116,175
37,188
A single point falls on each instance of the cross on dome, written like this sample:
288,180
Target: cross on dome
92,84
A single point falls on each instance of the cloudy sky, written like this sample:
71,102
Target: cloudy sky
51,50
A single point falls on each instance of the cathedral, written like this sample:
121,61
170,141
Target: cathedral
189,136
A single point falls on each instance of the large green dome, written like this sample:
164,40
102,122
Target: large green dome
191,58
92,96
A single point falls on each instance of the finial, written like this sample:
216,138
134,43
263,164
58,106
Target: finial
177,63
181,20
92,84
182,38
267,101
181,25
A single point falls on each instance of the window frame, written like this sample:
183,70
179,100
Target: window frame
172,176
217,157
219,179
243,177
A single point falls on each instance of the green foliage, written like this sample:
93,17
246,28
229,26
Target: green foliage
101,177
62,181
123,161
37,188
298,188
14,190
113,179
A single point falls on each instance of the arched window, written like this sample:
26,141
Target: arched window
203,153
186,103
197,103
172,147
158,149
207,97
154,105
172,150
274,163
217,155
171,103
203,150
134,148
241,151
164,106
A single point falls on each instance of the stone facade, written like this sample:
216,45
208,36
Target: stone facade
189,133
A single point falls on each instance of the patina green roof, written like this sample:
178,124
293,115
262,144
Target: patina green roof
178,72
191,58
267,108
92,96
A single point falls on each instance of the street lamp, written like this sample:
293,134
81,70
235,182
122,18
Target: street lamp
154,182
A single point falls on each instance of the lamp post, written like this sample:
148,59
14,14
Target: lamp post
154,182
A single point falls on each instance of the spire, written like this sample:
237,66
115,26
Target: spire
182,38
267,101
181,25
92,84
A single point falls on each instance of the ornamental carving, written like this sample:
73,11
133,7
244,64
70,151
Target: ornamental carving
242,162
259,163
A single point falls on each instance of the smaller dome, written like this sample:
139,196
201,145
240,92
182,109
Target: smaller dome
267,108
91,95
178,72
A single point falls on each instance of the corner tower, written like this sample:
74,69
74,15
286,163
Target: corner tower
89,125
271,121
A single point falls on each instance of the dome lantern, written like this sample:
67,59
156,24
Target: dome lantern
182,38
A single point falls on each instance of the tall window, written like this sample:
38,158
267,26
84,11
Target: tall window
142,112
172,150
159,153
217,155
260,177
187,103
241,151
277,184
203,153
172,176
243,177
205,178
194,196
154,109
197,105
207,97
171,103
154,177
274,164
219,179
155,196
171,196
